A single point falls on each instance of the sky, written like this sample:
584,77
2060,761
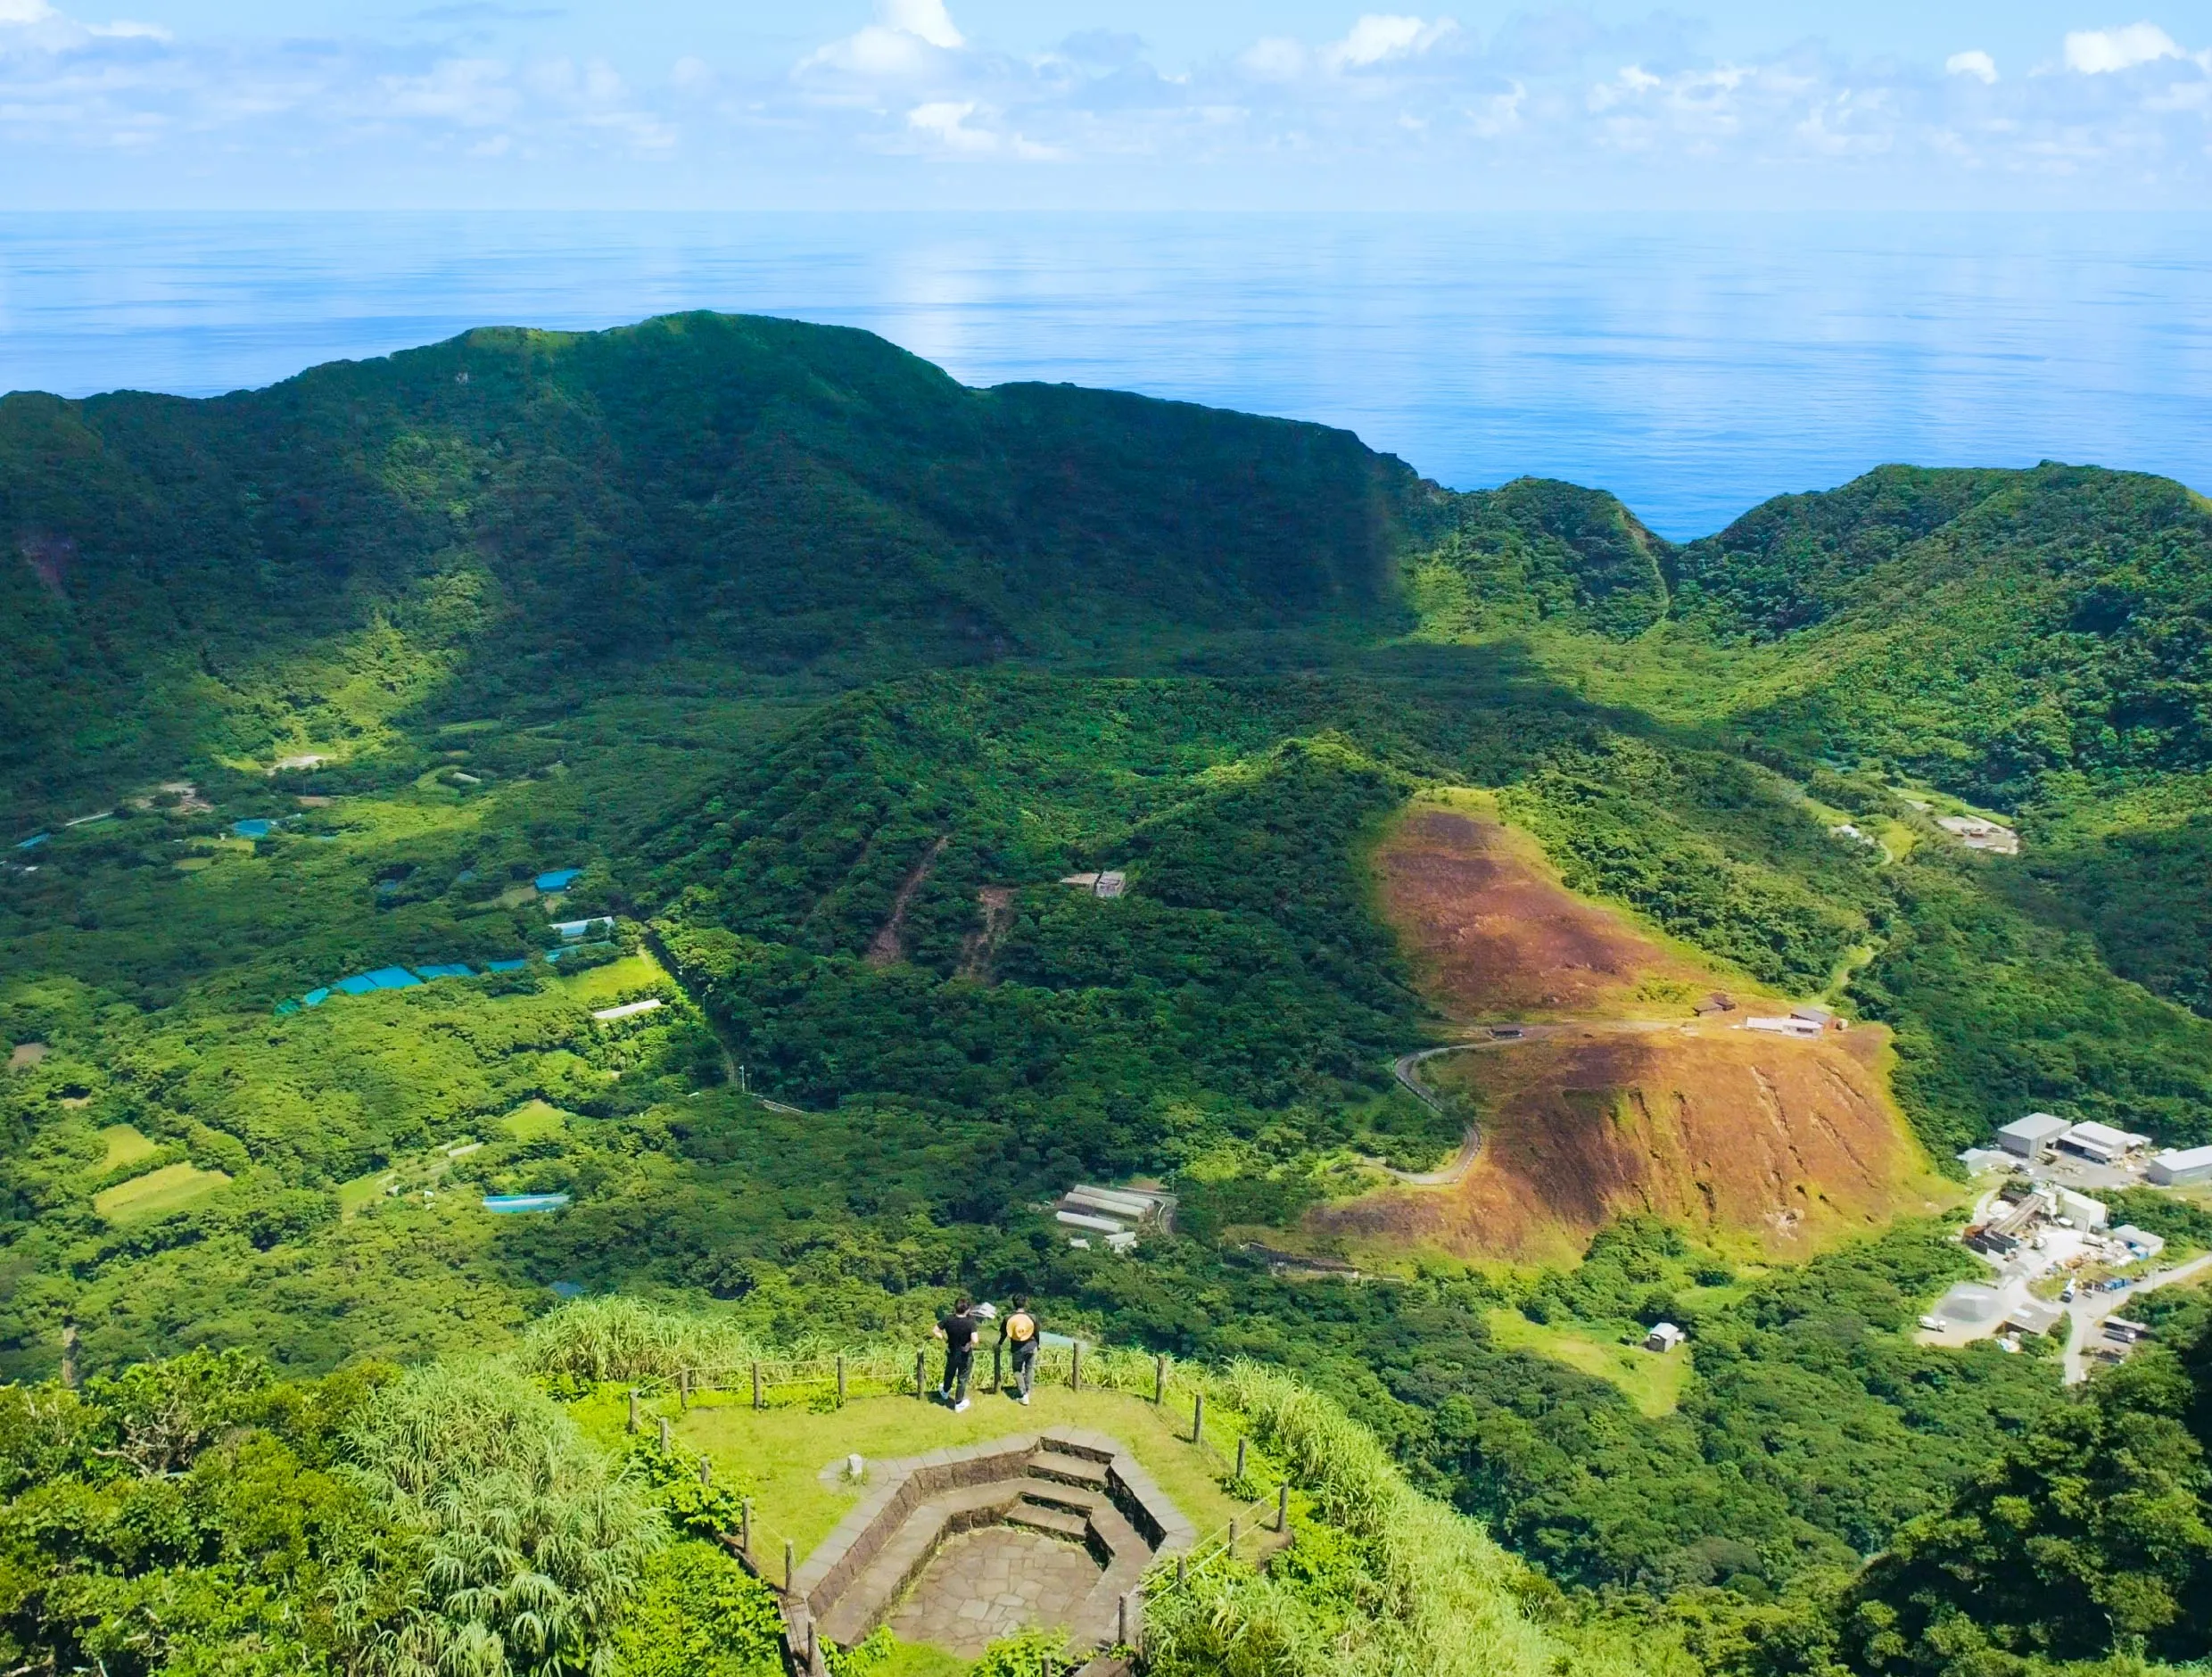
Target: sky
1104,104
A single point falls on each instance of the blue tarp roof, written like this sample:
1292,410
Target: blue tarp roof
254,829
575,949
383,979
287,1007
34,841
572,929
315,998
452,970
559,878
506,966
524,1201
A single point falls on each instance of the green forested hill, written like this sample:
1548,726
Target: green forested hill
517,515
824,674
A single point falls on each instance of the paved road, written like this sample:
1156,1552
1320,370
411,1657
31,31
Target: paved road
2090,1310
1407,1070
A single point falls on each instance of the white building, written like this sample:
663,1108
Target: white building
2078,1209
2178,1165
1665,1337
2031,1137
2101,1143
1785,1027
2150,1245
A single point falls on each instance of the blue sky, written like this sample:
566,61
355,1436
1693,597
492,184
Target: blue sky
1708,104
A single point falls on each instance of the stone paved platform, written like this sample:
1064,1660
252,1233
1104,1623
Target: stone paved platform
988,1584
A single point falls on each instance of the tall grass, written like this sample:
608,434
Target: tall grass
1435,1598
515,1544
627,1340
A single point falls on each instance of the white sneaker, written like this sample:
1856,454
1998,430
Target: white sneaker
957,1407
1025,1400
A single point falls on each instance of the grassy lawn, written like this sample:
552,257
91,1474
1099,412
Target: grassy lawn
362,1192
599,985
170,1188
127,1145
778,1455
1652,1381
533,1120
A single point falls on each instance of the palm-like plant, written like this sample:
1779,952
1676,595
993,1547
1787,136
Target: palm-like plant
513,1545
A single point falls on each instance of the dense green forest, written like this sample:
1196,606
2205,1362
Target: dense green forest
820,674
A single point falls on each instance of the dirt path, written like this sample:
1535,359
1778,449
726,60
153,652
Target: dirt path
1407,1070
2089,1311
889,943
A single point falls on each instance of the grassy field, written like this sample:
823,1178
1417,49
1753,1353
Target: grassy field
1652,1381
170,1188
779,1455
127,1145
534,1119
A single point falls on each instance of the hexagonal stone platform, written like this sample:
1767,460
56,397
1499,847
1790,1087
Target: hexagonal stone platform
959,1547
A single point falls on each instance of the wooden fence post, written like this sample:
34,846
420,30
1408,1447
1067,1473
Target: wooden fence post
707,1472
840,1380
757,1403
1198,1417
1180,1558
1283,1507
1160,1381
1121,1621
1074,1366
634,1408
790,1569
998,1366
663,1435
922,1374
745,1526
1240,1458
1232,1540
813,1648
683,1388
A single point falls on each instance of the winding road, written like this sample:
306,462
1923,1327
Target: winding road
1407,1070
2090,1310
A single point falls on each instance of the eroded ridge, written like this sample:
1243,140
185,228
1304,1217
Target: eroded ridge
899,1553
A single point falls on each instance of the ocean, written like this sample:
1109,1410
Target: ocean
1694,366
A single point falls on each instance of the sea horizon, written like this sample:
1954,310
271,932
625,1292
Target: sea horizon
1694,365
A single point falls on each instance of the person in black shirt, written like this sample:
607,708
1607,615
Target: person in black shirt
958,1330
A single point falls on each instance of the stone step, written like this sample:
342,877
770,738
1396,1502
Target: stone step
1081,1442
874,1594
1060,1522
1052,1494
1096,1620
1057,1463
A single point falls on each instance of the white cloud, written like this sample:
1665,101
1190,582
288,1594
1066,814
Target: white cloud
23,12
945,121
2099,52
1976,63
1379,38
926,19
903,43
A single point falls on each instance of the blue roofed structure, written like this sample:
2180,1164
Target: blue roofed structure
506,966
558,879
315,998
254,829
572,929
34,841
451,970
575,949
